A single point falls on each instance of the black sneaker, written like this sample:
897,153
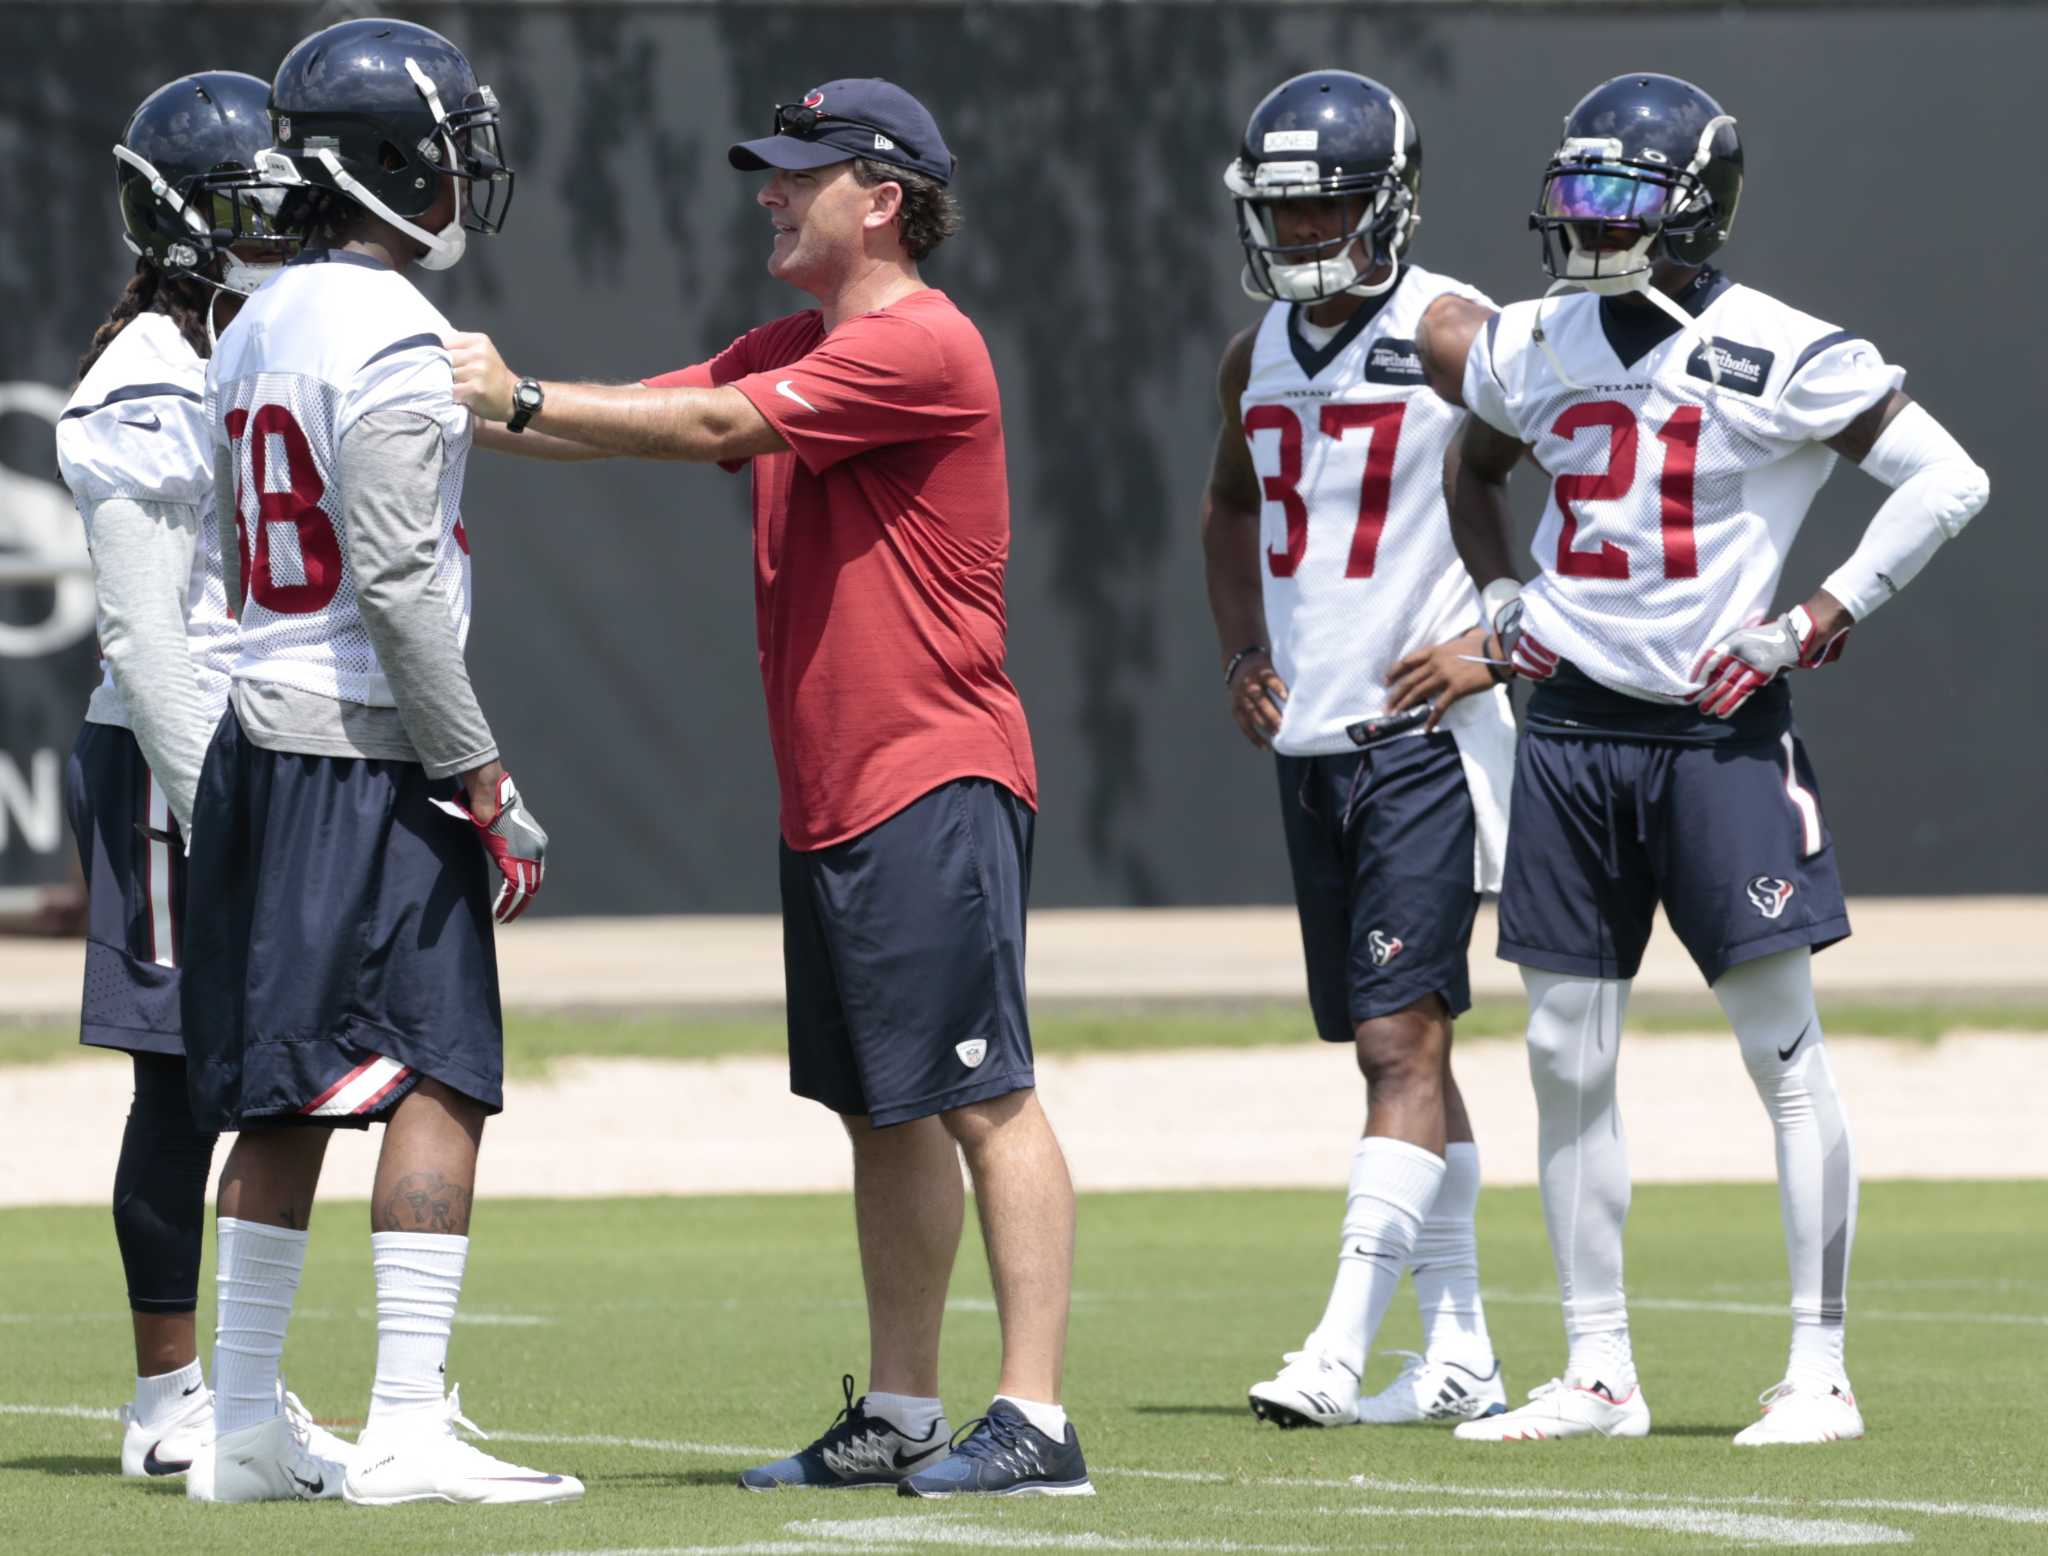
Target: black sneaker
1004,1455
857,1450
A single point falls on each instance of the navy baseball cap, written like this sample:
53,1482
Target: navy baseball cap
865,117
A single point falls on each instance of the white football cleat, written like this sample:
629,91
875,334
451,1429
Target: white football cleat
170,1446
1560,1409
1435,1391
1310,1390
1802,1413
266,1462
312,1436
427,1462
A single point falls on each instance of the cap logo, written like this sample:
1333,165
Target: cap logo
814,100
883,143
1288,140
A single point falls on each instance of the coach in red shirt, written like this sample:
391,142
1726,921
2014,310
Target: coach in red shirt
881,530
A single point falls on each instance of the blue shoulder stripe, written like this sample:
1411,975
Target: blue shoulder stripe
409,343
1817,348
134,392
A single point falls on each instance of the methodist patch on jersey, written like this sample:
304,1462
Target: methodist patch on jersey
1391,361
1768,894
1743,368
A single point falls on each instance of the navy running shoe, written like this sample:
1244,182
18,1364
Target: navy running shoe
857,1450
1003,1455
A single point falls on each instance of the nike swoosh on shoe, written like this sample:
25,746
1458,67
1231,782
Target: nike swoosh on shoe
152,1465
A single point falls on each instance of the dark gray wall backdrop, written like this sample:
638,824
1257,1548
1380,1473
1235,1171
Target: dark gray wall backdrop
1890,190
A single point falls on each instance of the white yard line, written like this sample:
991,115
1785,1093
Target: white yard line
1745,1528
1858,1315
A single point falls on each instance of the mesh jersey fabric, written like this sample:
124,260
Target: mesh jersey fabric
334,337
135,428
1674,501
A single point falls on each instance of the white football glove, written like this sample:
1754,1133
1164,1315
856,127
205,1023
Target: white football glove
1748,658
516,844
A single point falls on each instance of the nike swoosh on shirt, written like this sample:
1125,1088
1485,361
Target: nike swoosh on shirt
151,425
782,388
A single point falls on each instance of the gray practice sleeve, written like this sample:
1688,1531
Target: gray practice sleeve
230,527
142,568
391,479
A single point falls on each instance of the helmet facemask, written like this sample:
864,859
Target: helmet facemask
198,225
1594,195
1323,268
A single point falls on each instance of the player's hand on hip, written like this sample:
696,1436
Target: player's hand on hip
1740,662
510,835
482,380
1440,676
1257,698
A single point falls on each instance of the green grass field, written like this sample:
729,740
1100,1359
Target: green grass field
534,1040
654,1347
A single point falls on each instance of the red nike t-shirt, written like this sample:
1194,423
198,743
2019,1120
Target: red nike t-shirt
880,540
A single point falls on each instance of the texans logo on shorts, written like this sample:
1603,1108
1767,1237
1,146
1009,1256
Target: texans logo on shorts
1384,948
1768,895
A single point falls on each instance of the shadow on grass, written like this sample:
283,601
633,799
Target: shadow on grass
728,1478
69,1464
1191,1410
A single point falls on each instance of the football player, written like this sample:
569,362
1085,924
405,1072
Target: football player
346,973
1331,573
132,447
1686,421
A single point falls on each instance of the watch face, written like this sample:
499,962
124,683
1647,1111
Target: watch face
527,395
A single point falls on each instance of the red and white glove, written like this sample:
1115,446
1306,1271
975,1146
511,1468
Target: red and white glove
1748,658
516,844
1519,648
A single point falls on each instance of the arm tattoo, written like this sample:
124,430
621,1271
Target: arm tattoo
424,1202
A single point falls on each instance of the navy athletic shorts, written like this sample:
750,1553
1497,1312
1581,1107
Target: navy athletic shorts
1381,842
1620,805
133,859
346,948
903,954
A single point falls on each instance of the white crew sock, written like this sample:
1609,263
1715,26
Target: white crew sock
1769,1002
1445,1265
910,1414
257,1278
1393,1185
419,1279
165,1394
1582,1161
1049,1419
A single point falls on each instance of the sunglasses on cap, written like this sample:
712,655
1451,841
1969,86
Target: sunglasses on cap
802,121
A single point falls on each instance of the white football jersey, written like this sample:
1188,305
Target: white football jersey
135,428
1356,559
1673,500
335,337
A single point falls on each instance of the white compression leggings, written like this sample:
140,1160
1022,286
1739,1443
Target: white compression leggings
1574,1041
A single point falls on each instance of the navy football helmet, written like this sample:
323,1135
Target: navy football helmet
377,111
1650,168
1327,135
185,176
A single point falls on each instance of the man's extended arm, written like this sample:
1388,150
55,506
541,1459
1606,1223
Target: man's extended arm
1444,341
705,425
1230,555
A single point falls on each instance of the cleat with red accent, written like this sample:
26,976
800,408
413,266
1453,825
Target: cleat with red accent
1801,1412
1560,1409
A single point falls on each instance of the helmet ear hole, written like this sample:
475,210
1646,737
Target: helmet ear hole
390,158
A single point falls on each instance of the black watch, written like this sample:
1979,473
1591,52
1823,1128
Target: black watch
526,403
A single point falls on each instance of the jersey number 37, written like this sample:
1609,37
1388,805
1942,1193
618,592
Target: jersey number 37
1380,422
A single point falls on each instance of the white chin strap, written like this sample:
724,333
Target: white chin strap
1636,280
443,249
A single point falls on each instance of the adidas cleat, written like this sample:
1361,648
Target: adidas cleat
1802,1413
1435,1391
1003,1455
857,1450
1560,1409
1310,1390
